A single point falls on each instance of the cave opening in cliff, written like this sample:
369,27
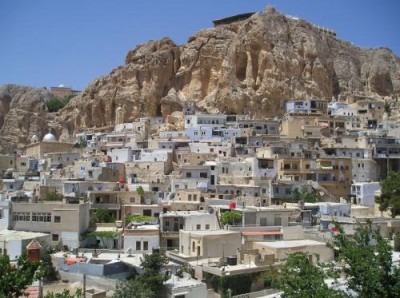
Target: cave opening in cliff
241,65
158,110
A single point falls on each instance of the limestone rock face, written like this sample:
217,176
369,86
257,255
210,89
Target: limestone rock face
23,113
250,66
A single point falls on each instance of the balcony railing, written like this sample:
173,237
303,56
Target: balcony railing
108,206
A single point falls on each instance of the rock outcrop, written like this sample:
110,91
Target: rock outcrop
23,113
248,66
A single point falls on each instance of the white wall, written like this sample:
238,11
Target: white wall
130,242
71,239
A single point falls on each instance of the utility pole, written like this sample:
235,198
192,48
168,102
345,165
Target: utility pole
84,285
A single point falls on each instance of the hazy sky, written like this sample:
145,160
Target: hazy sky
71,42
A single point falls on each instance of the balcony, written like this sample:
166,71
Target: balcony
108,206
170,234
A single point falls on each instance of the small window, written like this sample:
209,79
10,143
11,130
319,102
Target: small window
198,227
138,245
207,226
54,237
57,218
145,245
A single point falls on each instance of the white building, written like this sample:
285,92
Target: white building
184,286
121,155
363,193
141,238
5,206
13,243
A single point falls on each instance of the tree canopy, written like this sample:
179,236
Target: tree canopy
300,278
366,259
149,283
15,279
231,217
102,215
138,218
390,194
305,195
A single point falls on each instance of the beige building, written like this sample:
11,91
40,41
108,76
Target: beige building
65,222
209,243
318,251
62,91
6,162
38,150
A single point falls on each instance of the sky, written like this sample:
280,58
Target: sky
45,43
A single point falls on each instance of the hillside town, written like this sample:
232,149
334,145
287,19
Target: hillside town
224,195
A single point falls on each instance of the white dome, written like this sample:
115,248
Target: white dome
49,138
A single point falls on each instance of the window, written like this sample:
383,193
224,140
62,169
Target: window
263,221
145,245
138,245
203,175
22,216
193,246
198,227
57,218
188,175
41,217
54,237
207,226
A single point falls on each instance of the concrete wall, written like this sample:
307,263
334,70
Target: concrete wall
130,242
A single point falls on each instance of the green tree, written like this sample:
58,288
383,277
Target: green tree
50,273
55,104
106,237
149,283
102,215
65,294
138,218
300,278
15,279
231,217
153,262
387,108
53,196
366,259
305,195
390,194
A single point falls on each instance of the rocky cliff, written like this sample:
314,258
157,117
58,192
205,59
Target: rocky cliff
23,113
247,66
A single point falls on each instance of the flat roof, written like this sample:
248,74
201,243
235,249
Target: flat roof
183,213
182,282
291,243
212,232
256,233
12,235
